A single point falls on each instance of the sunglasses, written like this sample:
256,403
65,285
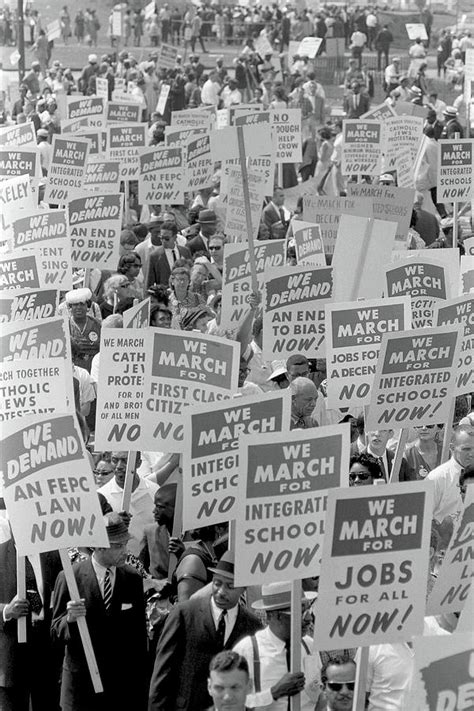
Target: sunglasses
214,249
363,476
337,686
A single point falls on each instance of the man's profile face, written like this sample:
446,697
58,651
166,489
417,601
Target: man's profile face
339,695
228,689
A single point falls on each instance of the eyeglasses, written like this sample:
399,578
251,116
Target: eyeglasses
337,685
363,476
214,249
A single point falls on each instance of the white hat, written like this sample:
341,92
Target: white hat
278,368
92,59
277,596
387,177
78,296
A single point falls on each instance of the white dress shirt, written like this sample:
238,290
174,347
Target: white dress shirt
100,572
210,93
230,618
447,495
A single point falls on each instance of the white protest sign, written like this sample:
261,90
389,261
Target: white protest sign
453,583
257,140
148,377
53,30
178,137
117,22
283,486
167,58
374,569
49,487
309,47
379,113
237,282
405,170
407,108
443,674
401,132
293,310
308,243
35,339
28,304
455,170
416,30
20,161
102,88
122,112
468,245
22,134
137,316
460,311
362,147
191,118
91,107
199,163
211,458
95,223
46,233
415,378
286,129
467,274
262,45
236,225
124,142
102,176
67,169
388,203
161,178
353,336
260,164
98,143
15,195
326,212
162,99
21,270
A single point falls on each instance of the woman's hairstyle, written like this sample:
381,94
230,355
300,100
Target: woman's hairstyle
112,284
368,461
126,261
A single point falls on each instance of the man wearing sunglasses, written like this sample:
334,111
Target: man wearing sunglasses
338,678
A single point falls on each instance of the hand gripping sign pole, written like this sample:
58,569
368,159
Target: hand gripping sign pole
248,213
21,593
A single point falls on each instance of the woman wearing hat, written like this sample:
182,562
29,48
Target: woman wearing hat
85,330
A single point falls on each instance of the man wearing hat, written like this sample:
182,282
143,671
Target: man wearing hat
451,124
85,330
199,245
111,596
45,149
268,654
194,632
91,69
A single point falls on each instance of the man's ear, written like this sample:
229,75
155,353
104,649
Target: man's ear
209,686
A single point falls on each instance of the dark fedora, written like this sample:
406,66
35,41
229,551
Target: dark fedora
225,567
207,217
117,529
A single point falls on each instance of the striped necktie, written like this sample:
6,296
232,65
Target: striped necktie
107,589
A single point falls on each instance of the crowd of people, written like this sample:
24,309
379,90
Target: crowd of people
170,629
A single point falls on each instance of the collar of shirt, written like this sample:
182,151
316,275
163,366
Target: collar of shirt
383,457
100,571
230,618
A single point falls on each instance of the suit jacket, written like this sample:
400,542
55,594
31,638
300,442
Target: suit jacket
13,656
404,473
196,244
118,638
185,649
356,111
270,215
159,269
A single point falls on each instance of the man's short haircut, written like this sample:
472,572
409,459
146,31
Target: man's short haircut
171,226
296,359
140,230
228,661
299,384
337,661
460,429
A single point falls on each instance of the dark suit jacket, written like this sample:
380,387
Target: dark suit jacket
270,215
13,657
158,266
185,649
118,638
404,473
356,112
196,245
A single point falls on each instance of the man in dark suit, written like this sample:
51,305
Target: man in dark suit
194,632
356,103
377,447
199,245
29,669
275,215
163,258
111,595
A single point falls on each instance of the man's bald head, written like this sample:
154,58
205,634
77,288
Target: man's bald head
462,444
304,394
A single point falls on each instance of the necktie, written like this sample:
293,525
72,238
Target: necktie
282,215
382,468
34,598
173,256
107,589
220,633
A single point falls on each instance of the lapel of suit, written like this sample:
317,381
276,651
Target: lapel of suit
236,630
205,612
91,587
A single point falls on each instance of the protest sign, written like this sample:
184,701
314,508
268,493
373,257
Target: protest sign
95,223
281,501
145,375
199,163
20,161
308,243
90,107
161,176
122,112
162,99
28,304
379,113
167,57
245,114
309,47
236,218
262,45
286,129
178,137
137,316
443,675
453,583
387,203
46,233
21,270
353,336
124,143
191,118
67,169
53,30
405,169
467,274
362,147
425,280
455,170
22,134
362,245
102,176
35,340
38,390
416,30
98,142
74,125
102,88
211,457
222,118
237,284
260,164
406,108
401,132
468,245
15,195
49,487
460,311
257,139
326,212
293,311
374,568
415,378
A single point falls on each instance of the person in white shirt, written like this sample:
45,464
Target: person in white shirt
447,499
141,501
437,105
230,94
272,682
210,92
371,22
358,42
